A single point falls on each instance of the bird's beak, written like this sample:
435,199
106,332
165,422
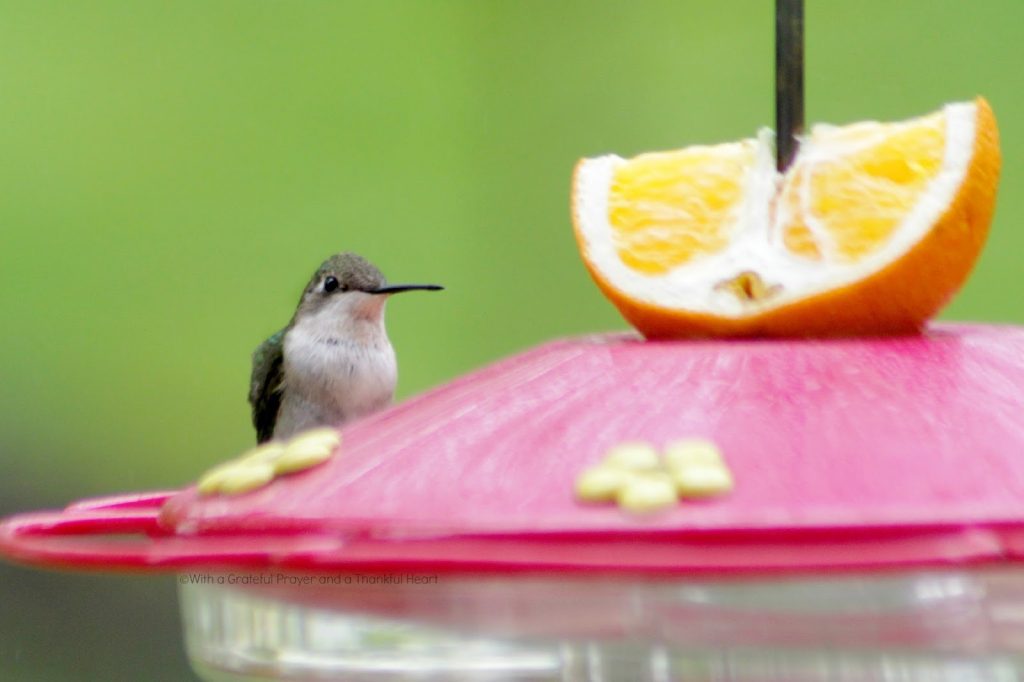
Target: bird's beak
399,288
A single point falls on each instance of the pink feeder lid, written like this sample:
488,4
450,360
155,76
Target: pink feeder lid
851,454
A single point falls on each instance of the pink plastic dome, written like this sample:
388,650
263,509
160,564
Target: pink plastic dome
846,454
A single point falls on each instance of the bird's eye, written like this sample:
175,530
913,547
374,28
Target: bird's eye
330,284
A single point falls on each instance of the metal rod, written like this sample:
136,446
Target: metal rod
789,79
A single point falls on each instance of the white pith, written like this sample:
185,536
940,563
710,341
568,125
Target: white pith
757,242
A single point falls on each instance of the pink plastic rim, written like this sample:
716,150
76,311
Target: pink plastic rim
80,536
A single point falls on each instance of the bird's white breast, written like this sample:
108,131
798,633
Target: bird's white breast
335,369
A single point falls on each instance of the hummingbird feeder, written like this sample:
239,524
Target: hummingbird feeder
855,510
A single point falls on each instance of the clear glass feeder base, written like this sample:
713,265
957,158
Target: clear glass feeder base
961,625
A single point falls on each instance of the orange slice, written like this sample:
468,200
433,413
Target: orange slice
871,230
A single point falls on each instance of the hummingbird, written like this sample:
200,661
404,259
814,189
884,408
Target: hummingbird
334,361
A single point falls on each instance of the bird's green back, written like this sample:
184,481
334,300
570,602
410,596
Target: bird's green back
267,385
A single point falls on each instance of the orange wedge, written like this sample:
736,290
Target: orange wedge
870,231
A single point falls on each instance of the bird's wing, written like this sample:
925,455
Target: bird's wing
267,385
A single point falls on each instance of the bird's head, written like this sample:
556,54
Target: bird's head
347,286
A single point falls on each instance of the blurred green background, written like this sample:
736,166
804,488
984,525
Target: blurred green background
172,172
